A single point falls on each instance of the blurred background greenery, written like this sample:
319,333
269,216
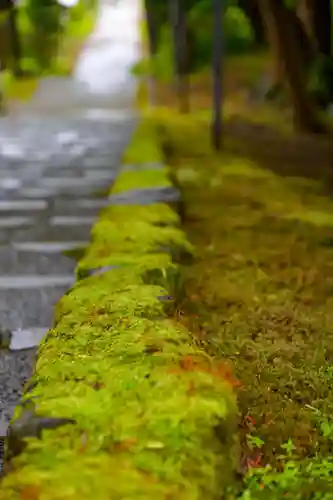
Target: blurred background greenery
41,37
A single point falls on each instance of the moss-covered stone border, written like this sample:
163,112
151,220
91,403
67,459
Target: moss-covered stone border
147,414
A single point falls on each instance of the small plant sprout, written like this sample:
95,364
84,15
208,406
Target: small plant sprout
254,441
289,448
323,422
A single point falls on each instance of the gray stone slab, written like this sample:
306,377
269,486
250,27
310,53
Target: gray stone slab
47,233
142,166
146,196
49,247
15,222
27,261
86,202
27,338
26,281
100,174
35,193
71,183
3,428
22,205
72,221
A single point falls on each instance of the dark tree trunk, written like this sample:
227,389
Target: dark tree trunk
322,23
218,11
179,35
153,31
5,5
252,11
15,42
152,26
283,37
9,6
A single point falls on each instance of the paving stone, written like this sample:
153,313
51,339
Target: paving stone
146,196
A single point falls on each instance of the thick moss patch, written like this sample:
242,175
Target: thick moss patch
148,178
155,415
260,294
144,147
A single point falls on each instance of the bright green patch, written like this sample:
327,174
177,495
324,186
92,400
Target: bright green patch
245,168
141,237
144,146
138,179
316,218
22,89
156,214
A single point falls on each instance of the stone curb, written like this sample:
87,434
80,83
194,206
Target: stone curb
123,404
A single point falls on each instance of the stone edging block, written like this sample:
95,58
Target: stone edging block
123,403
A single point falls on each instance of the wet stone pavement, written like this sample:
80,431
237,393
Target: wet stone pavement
54,176
59,155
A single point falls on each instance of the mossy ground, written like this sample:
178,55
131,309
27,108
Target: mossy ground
156,417
260,292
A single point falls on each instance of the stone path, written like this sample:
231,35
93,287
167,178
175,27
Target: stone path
58,156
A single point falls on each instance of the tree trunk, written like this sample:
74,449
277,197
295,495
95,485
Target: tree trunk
15,42
322,20
152,29
179,33
151,26
251,10
286,46
217,74
317,18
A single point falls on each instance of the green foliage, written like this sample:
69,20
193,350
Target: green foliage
320,82
45,25
299,480
238,38
44,15
237,31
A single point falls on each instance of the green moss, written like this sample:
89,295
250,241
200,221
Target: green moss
313,217
139,237
144,146
147,401
112,367
148,178
257,295
156,214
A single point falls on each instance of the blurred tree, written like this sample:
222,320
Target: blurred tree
287,48
317,18
15,42
180,52
217,61
45,18
251,9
